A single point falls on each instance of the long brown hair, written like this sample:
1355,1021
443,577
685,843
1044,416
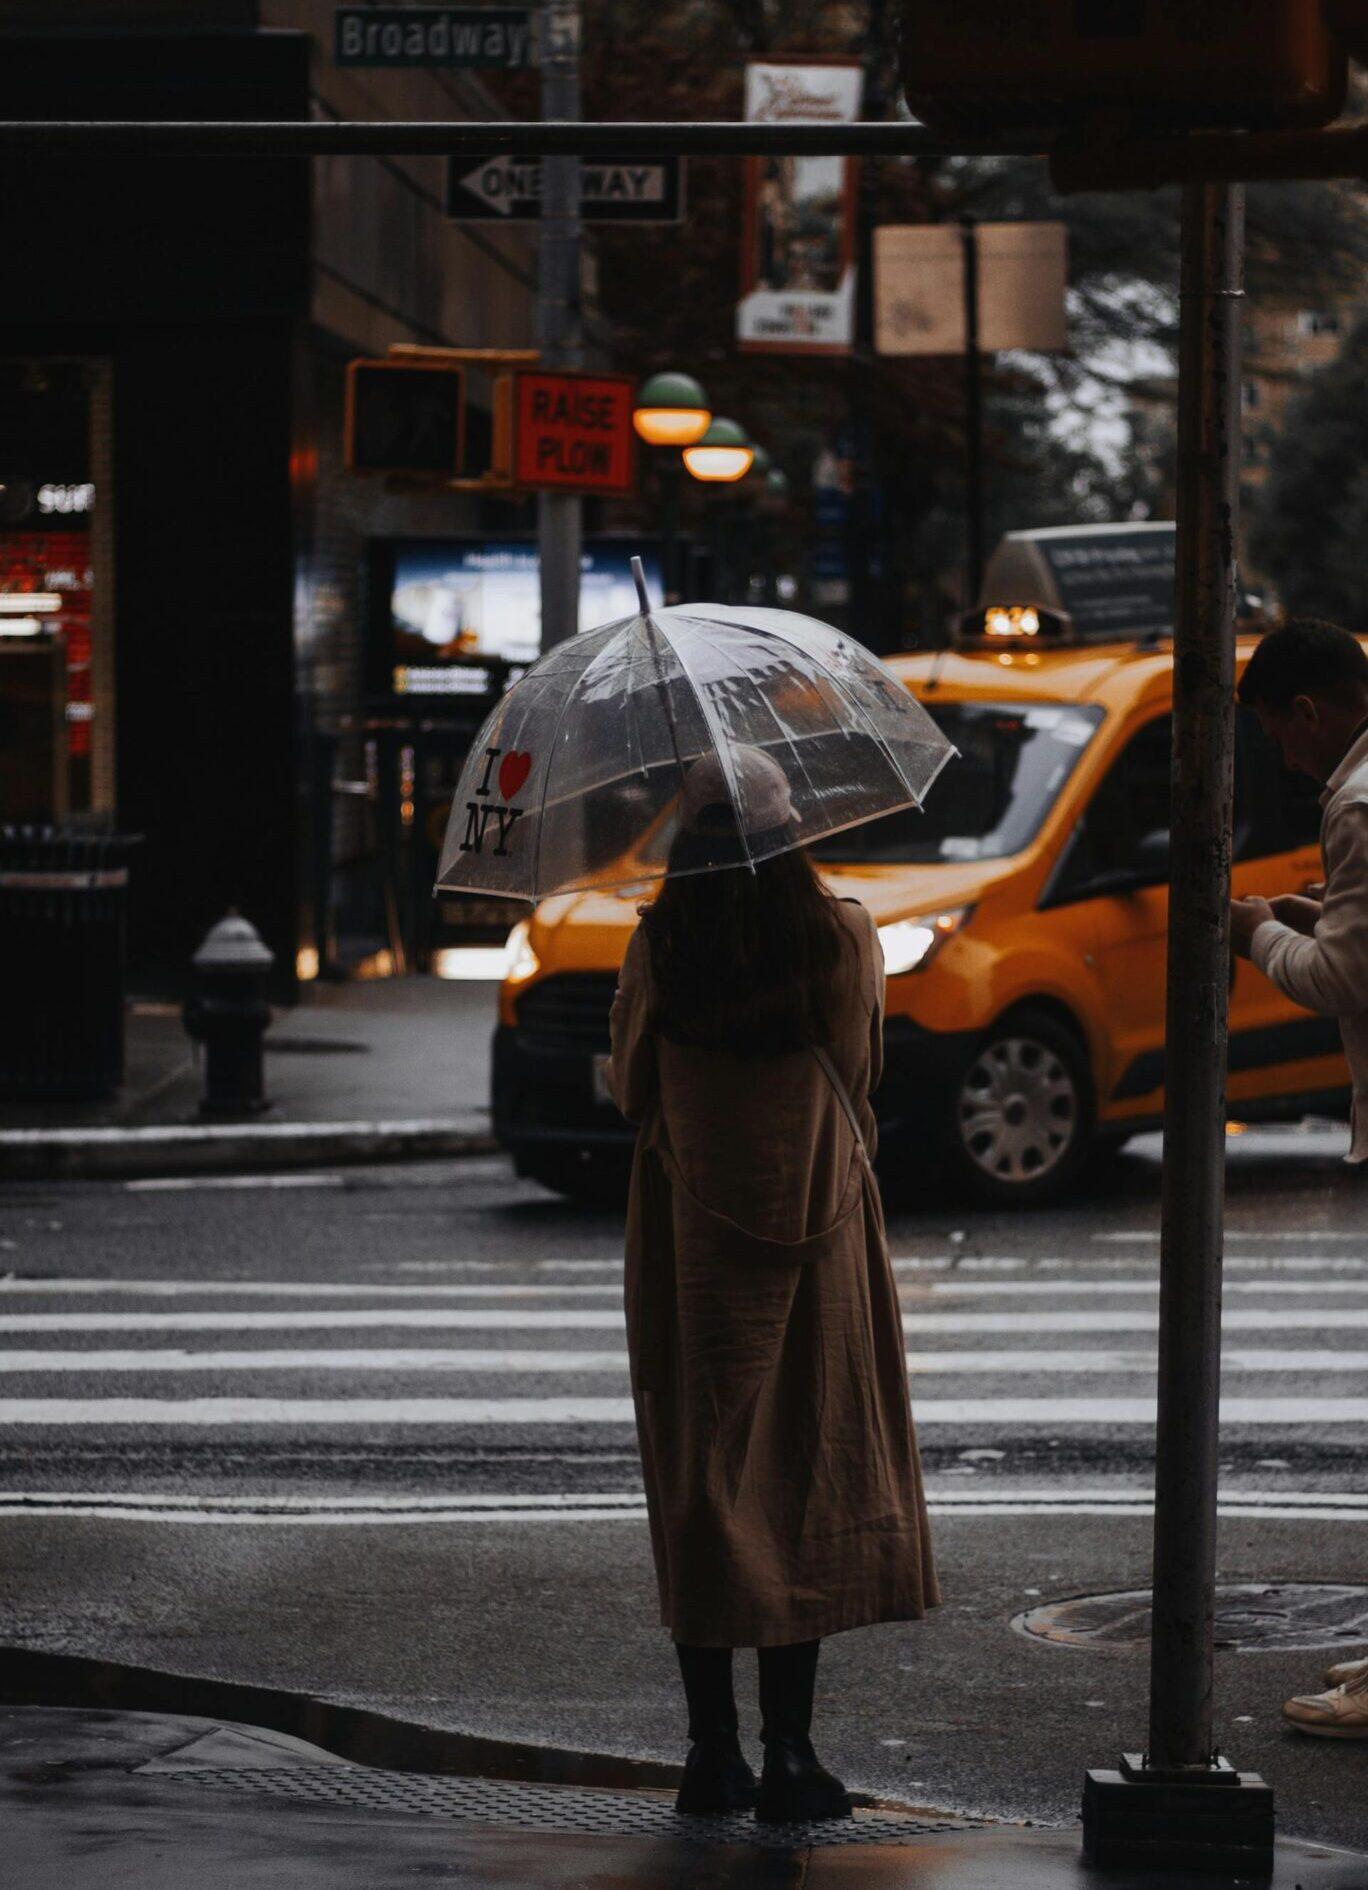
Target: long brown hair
744,961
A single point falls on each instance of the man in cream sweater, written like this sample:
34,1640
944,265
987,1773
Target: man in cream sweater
1308,685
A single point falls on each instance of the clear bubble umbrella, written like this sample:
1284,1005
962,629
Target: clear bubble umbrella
577,778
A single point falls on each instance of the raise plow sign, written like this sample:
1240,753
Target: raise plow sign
574,432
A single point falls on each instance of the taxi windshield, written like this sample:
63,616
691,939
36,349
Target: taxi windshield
992,800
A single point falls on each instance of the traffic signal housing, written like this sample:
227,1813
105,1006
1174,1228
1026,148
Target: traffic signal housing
1107,67
405,417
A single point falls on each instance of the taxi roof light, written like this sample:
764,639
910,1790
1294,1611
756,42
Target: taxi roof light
1020,626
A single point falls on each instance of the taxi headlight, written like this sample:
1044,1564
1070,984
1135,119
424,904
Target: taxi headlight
520,961
911,944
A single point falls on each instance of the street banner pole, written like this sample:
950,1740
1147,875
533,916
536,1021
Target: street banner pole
867,548
973,418
559,332
1187,1443
1178,1804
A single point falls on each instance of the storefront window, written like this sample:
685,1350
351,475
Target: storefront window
48,698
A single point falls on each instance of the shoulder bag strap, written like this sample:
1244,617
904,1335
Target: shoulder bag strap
842,1097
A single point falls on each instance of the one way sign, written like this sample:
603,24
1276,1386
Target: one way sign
612,190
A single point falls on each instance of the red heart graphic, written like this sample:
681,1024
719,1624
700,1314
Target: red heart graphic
513,771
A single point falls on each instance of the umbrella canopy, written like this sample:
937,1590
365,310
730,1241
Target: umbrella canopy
578,777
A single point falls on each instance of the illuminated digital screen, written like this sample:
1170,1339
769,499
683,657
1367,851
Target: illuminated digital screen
459,611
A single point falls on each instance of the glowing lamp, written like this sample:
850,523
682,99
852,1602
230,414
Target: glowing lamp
671,410
722,456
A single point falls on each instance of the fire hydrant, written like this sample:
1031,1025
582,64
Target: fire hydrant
228,1014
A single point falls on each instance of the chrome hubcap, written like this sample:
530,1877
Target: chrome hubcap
1017,1110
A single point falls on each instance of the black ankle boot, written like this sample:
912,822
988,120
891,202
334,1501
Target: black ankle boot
716,1776
794,1787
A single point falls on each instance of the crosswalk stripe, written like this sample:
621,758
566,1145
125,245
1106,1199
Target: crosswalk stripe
185,1184
571,1318
1268,1413
957,1262
440,1290
1152,1236
630,1506
1123,1319
304,1289
410,1359
584,1289
1086,1289
427,1318
946,1497
1019,1363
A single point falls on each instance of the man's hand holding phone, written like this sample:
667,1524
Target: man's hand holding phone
1298,911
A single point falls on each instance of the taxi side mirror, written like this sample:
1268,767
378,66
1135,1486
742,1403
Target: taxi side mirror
1152,856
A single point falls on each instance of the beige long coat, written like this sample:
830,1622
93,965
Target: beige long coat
768,1370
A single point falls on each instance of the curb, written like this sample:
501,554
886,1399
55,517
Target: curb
219,1148
348,1734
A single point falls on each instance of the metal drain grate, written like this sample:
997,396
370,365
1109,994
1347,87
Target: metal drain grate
542,1807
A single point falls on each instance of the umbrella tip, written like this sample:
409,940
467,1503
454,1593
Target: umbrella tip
639,574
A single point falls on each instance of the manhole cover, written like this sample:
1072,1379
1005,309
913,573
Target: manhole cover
1295,1616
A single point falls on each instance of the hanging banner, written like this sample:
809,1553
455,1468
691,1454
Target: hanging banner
919,287
798,254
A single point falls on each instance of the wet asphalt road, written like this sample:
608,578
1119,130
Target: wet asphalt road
365,1434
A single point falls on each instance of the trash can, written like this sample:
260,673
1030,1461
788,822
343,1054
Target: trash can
63,918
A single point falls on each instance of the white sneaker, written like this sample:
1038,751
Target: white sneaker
1340,1713
1346,1671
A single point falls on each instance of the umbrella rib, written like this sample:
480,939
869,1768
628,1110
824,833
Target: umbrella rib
652,631
541,814
837,684
635,722
714,729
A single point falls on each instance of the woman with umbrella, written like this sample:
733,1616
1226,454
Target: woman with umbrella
767,1348
768,1369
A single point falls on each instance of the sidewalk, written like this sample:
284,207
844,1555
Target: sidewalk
92,1798
373,1070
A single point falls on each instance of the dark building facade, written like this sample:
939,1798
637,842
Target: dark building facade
173,342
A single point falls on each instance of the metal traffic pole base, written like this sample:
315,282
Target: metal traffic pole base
1179,1805
1178,1818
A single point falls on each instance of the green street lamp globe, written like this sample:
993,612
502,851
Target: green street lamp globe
723,455
671,410
761,464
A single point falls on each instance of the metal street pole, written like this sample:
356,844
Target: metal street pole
670,468
1198,976
864,557
973,418
1178,1804
559,333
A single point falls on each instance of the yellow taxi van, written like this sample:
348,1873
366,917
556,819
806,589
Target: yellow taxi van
1023,912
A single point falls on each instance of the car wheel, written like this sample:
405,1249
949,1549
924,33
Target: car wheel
1020,1115
581,1175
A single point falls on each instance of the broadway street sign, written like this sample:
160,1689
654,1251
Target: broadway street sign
640,190
471,38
